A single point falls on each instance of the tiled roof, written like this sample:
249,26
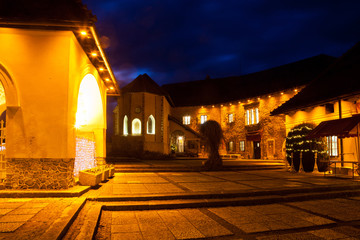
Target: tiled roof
340,80
143,83
221,90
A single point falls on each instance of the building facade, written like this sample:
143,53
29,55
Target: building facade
331,101
241,107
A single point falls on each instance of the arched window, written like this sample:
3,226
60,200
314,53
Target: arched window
125,126
136,126
151,125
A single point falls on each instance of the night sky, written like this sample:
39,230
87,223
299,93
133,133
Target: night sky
184,40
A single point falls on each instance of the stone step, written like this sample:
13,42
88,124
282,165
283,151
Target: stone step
231,194
223,202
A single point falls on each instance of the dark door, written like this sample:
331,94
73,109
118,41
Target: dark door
257,150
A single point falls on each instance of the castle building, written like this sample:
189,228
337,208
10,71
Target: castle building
241,105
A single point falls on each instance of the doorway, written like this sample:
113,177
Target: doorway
257,150
180,144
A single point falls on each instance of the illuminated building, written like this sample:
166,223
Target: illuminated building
55,95
331,101
241,105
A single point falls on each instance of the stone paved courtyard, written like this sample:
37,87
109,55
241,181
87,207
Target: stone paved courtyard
192,205
318,219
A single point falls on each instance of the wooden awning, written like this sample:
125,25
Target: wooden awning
345,127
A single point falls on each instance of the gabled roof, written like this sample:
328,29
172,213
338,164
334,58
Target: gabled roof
341,80
144,83
68,15
221,90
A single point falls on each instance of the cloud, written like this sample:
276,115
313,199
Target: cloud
182,40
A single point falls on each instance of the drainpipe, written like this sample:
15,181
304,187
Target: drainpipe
341,140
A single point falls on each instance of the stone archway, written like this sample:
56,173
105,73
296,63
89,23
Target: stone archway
90,124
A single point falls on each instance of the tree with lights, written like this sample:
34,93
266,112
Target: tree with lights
296,143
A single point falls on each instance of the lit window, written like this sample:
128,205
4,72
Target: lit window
151,125
332,144
231,117
252,116
203,119
125,126
252,121
186,120
242,146
247,117
256,115
136,126
231,146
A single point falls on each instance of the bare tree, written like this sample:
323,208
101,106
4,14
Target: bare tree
212,134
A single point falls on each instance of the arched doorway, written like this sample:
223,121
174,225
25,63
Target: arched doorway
177,141
89,124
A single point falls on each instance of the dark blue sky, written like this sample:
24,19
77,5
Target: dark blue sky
184,40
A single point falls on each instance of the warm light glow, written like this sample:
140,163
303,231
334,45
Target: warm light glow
84,33
101,69
89,107
230,104
151,125
282,93
107,79
269,96
213,106
136,126
85,155
222,105
125,126
239,102
258,99
202,106
111,88
94,54
295,90
248,100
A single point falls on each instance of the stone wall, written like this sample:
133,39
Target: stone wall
39,173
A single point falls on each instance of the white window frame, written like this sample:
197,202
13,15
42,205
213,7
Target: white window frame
332,146
203,118
186,120
125,126
133,128
230,117
242,145
151,117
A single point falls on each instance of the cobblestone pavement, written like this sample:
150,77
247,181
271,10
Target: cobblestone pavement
318,219
49,218
29,218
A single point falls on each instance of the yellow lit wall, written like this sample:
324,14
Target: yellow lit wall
318,114
43,71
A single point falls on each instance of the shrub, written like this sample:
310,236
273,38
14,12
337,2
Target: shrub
297,143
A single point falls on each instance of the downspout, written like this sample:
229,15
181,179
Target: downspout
341,140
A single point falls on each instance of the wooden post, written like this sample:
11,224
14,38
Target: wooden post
315,170
301,168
